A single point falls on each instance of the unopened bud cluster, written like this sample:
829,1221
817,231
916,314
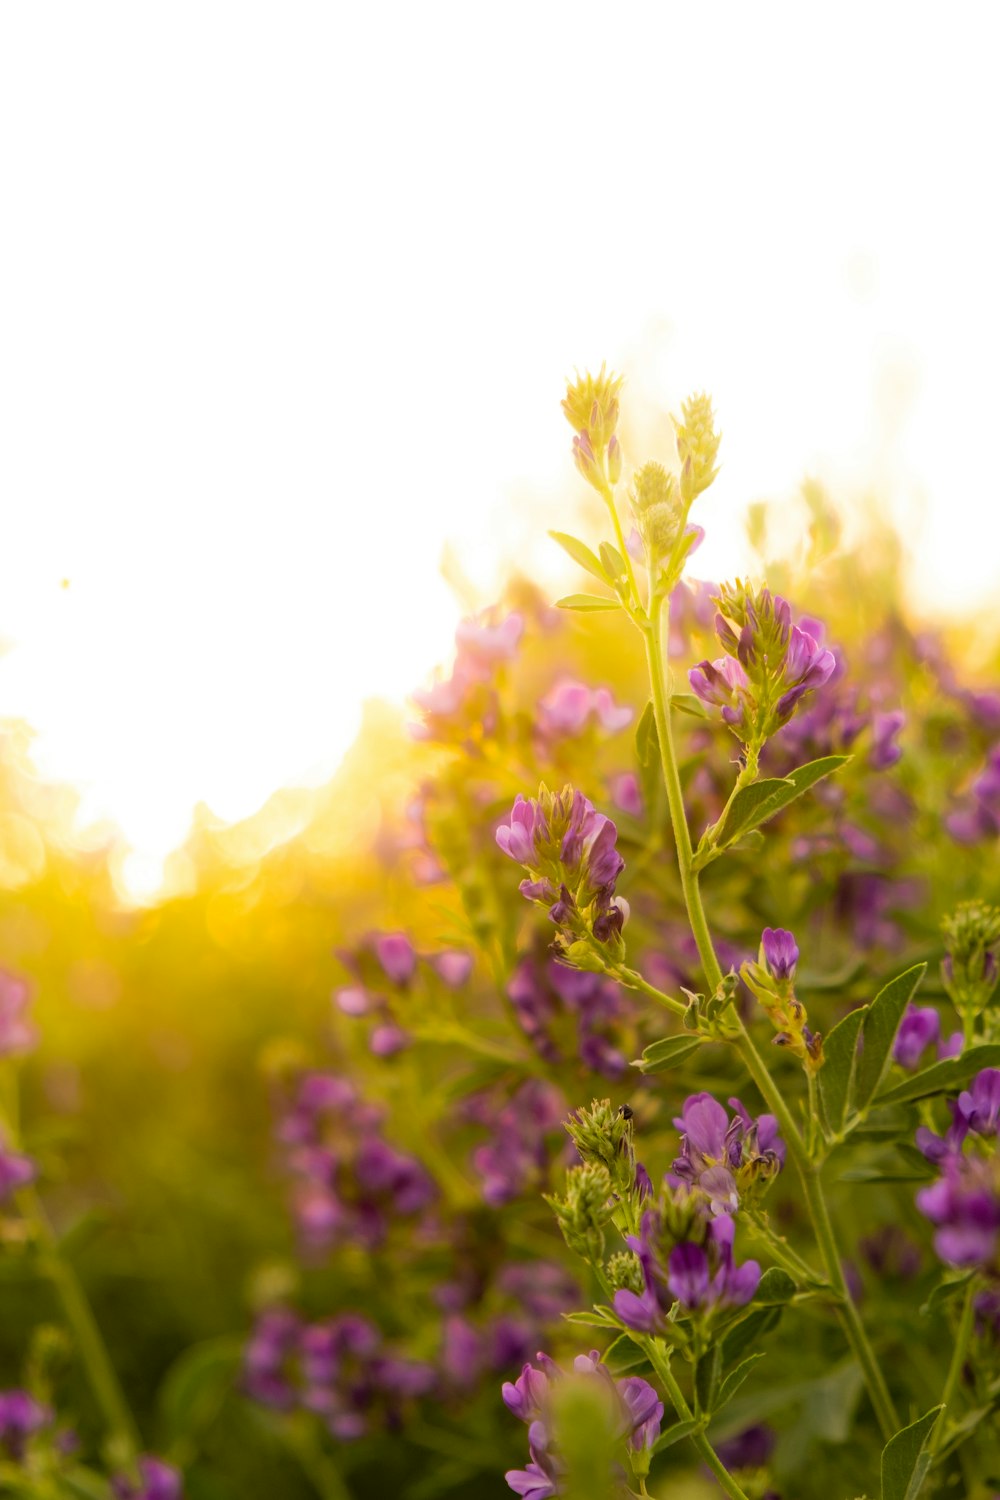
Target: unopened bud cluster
591,409
772,980
769,666
969,969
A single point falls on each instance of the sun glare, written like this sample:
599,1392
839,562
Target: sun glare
255,378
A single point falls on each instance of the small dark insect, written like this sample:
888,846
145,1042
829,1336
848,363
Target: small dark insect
626,1111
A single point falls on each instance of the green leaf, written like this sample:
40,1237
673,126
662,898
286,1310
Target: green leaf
612,562
586,602
647,741
947,1288
905,1459
879,1033
600,1317
580,553
755,803
667,1053
947,1077
196,1385
836,1078
687,703
706,1378
735,1379
776,1287
625,1354
751,1329
675,1433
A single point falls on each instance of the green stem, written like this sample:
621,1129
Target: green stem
757,1068
661,1364
632,980
122,1431
850,1318
86,1333
958,1358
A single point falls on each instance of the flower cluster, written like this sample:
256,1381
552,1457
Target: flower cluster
517,1153
570,707
350,1184
726,1159
385,970
569,851
591,408
566,1011
964,1203
339,1370
630,1408
495,1329
462,708
769,666
696,1271
918,1030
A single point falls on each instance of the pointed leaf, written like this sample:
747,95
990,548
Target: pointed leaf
905,1459
586,602
776,1287
667,1053
612,562
879,1032
836,1079
735,1379
706,1378
625,1354
749,1331
947,1077
688,703
599,1318
755,803
675,1433
581,554
647,741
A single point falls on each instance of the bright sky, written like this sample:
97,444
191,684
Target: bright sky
288,293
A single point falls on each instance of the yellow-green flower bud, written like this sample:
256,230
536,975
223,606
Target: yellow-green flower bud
697,446
591,406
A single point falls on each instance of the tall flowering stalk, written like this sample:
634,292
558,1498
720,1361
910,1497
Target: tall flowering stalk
678,1284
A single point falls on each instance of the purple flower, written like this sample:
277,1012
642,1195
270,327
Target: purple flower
644,1411
723,684
920,1026
720,1155
488,643
569,850
396,955
17,1034
634,1409
21,1416
781,952
690,1279
453,967
157,1481
979,1105
750,1449
16,1171
884,751
569,707
965,1207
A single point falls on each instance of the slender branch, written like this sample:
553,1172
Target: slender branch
958,1358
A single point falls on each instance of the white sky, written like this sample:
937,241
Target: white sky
288,293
